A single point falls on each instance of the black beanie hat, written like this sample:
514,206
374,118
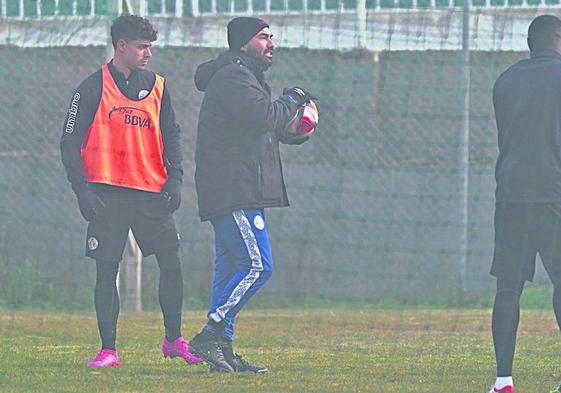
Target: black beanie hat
241,30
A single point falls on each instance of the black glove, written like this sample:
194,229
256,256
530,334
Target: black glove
292,139
297,95
171,193
89,203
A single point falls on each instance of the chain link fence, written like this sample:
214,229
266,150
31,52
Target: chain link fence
374,195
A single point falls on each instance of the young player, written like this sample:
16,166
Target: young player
121,149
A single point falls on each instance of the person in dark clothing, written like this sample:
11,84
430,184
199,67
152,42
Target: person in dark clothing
239,174
121,149
527,101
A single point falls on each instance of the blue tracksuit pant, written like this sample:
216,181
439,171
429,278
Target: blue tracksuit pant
243,263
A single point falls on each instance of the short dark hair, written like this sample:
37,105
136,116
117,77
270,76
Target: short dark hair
544,31
132,27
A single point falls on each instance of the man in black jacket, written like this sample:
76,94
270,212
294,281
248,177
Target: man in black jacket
527,101
238,175
121,150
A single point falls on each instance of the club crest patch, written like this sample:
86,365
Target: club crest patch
92,243
258,222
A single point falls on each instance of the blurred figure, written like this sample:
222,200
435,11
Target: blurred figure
527,101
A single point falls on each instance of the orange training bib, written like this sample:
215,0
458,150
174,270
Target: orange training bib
123,146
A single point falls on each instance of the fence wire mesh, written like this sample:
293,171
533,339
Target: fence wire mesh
374,195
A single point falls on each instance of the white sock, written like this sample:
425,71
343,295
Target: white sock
502,382
215,317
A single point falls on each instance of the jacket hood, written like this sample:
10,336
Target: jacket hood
206,71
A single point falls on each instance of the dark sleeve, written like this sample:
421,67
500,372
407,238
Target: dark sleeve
171,138
495,95
498,109
496,104
246,100
79,117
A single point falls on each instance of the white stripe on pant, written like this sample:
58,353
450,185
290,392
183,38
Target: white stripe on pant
256,265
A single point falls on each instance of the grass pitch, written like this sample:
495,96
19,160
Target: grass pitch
306,351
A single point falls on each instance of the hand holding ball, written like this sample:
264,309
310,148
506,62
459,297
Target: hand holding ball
305,121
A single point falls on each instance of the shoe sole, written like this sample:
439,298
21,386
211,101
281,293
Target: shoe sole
108,366
262,371
179,356
219,370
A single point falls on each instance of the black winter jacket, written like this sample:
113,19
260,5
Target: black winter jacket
527,101
237,157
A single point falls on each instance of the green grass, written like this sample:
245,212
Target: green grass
335,350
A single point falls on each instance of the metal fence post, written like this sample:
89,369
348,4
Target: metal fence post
463,147
195,8
361,23
179,8
132,261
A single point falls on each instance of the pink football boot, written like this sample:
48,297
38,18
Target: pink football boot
105,358
179,348
506,389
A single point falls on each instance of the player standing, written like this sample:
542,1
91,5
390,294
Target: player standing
527,101
121,149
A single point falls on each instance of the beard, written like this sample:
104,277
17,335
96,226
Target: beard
263,62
